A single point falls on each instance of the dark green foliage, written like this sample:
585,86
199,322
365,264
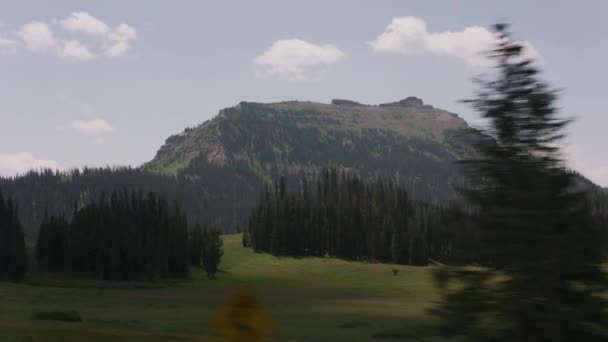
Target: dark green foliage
246,239
56,192
121,236
598,204
58,315
52,245
212,250
343,216
540,253
13,260
397,247
195,245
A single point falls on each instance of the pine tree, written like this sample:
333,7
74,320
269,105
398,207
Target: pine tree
51,247
13,258
42,244
540,277
196,245
397,249
212,250
123,236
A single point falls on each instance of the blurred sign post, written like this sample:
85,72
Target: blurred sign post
242,319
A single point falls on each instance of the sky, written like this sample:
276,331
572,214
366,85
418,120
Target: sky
106,82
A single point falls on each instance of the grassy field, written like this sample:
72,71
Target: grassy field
309,299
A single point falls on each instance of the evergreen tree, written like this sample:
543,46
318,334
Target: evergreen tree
341,215
397,249
196,245
52,244
212,250
245,239
13,258
121,236
541,277
42,244
56,192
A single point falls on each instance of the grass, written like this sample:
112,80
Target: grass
57,315
350,325
309,299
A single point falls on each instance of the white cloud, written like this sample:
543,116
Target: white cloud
116,49
119,40
409,35
37,36
86,23
18,163
115,41
577,159
293,59
123,32
7,45
100,141
93,127
42,37
73,49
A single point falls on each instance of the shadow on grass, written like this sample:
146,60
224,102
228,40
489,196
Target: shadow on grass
57,315
116,322
414,330
90,283
350,325
395,335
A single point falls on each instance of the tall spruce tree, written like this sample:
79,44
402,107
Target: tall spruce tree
13,258
212,250
540,277
51,246
195,245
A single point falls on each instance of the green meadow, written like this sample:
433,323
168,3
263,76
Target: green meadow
309,299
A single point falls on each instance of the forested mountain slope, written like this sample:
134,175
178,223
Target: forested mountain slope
218,169
244,146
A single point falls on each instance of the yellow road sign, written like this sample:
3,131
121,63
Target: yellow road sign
242,319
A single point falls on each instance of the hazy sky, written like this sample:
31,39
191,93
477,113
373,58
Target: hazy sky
106,82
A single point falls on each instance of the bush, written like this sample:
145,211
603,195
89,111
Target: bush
58,315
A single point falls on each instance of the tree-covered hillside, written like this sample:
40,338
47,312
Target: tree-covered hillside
218,169
245,146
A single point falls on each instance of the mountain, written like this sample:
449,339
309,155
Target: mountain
243,147
218,169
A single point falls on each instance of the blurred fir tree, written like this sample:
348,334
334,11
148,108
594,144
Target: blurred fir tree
540,277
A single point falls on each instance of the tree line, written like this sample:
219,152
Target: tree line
343,216
55,192
121,236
